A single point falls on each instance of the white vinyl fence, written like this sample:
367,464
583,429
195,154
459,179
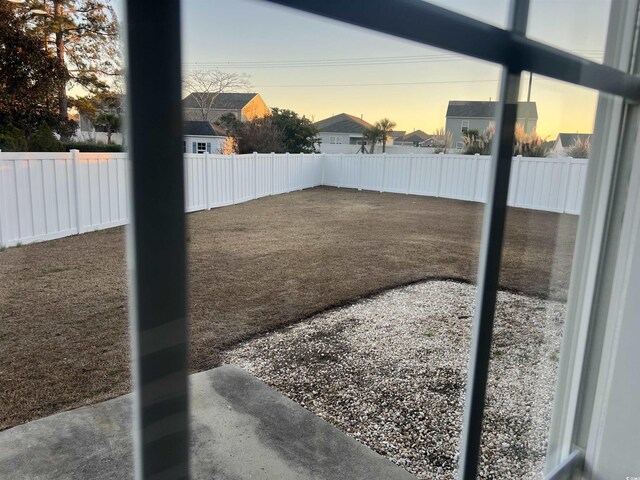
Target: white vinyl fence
51,195
552,184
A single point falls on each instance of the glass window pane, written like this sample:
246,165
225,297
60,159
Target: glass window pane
546,190
63,282
579,27
389,370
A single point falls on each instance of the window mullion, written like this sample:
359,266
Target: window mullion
490,255
156,241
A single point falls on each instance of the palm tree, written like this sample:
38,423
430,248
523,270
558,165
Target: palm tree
385,126
374,135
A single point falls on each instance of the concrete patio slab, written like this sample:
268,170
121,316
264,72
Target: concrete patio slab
240,429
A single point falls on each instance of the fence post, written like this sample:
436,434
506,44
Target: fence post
384,171
287,169
360,172
206,180
440,169
76,185
323,164
233,178
341,180
410,172
566,185
474,176
255,175
3,242
273,175
514,181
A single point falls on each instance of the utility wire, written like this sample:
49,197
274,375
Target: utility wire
350,62
377,84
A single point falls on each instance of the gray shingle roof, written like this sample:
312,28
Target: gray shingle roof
568,139
342,123
202,129
397,133
467,109
225,100
417,136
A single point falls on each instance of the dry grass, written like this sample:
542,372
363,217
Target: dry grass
253,267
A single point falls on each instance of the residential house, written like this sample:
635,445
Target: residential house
463,116
395,134
87,131
417,138
341,133
565,141
199,106
201,137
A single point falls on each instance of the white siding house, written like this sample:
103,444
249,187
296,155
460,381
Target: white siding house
341,133
201,137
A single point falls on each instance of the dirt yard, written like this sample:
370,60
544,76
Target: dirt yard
253,267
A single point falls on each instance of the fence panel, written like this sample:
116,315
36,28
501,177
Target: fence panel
577,179
332,170
370,171
263,175
424,175
196,182
221,174
396,173
52,195
539,183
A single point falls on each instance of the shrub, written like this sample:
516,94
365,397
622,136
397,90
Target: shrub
580,149
529,144
43,140
92,147
12,139
480,143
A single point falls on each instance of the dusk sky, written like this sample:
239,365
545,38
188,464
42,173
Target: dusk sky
318,67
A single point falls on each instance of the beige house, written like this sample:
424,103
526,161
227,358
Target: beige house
200,106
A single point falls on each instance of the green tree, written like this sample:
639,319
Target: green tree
258,135
299,135
230,123
29,77
385,126
83,36
43,140
103,109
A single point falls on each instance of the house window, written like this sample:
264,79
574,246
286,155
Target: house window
339,140
201,148
332,140
465,127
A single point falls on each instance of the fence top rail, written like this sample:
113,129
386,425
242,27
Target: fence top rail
101,155
19,156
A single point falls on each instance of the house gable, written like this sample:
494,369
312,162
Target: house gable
343,123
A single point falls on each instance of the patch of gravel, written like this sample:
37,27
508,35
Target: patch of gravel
391,370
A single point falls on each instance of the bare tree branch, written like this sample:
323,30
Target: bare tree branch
205,85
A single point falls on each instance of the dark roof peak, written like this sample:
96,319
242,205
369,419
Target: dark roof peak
202,128
224,100
343,123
